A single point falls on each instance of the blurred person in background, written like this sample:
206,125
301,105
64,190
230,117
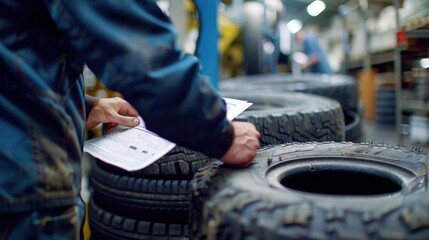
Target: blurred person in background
317,61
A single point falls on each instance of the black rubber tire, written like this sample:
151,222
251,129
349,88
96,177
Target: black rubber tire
253,37
149,199
354,132
179,163
381,193
385,120
108,225
343,88
282,118
422,87
386,94
385,112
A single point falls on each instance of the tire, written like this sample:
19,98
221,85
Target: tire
144,198
353,123
422,87
342,88
315,191
253,37
282,118
385,112
179,163
108,225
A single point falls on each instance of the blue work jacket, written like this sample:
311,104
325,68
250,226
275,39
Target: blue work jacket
130,46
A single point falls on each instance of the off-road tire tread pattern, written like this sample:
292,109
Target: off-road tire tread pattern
251,215
152,199
179,163
323,125
108,225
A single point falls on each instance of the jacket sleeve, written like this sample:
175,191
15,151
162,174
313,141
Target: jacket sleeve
130,45
89,103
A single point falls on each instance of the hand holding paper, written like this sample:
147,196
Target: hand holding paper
135,148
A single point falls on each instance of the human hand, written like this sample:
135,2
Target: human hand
311,60
114,110
244,145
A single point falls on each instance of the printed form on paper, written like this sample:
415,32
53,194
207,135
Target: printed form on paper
135,148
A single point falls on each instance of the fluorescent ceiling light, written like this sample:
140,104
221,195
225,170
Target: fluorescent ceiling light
424,62
315,8
294,26
274,4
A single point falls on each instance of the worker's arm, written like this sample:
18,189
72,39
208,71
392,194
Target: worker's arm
131,46
311,60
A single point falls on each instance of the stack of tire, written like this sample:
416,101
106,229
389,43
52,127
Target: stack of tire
342,88
154,203
385,112
422,86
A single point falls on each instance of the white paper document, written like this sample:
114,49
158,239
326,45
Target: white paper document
234,107
135,148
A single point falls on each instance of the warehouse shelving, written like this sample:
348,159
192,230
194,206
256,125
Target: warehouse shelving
416,47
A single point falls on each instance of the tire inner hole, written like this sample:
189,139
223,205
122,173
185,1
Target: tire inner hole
340,182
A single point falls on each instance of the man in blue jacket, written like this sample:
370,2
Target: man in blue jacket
317,60
130,45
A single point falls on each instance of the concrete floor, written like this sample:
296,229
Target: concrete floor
387,134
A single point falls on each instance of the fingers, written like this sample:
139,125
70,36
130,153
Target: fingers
114,110
125,108
248,132
109,127
238,156
125,120
254,143
244,145
126,115
251,140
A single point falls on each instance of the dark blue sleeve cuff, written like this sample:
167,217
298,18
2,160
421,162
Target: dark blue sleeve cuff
89,103
225,142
